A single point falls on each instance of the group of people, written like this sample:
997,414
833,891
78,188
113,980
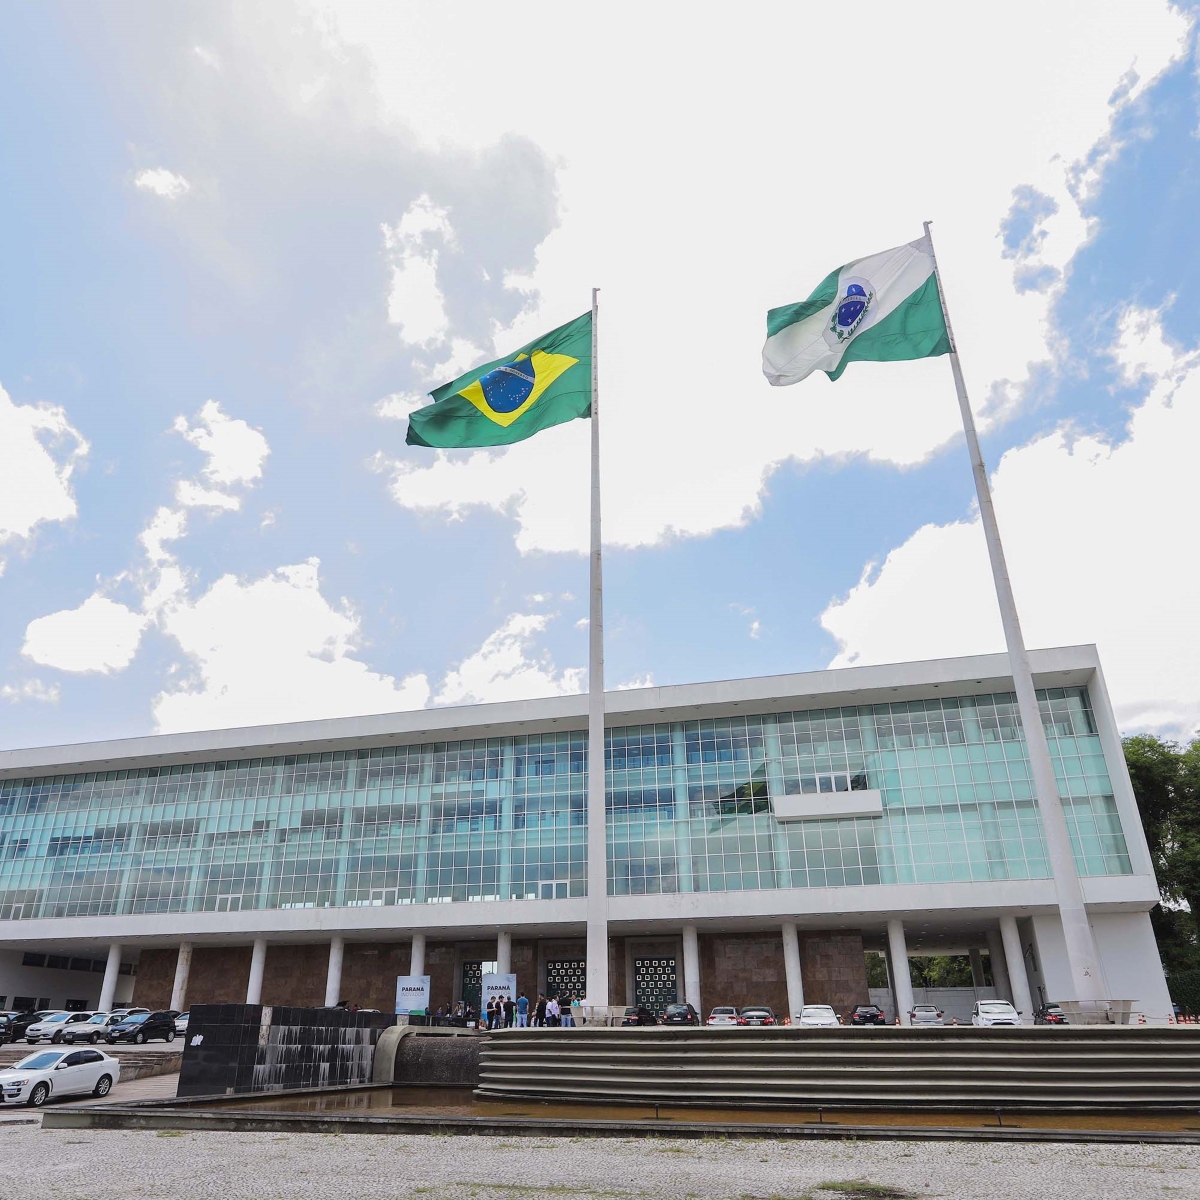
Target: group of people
503,1012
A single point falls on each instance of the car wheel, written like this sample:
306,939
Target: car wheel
140,1038
103,1086
32,1041
58,1037
170,1035
95,1038
39,1095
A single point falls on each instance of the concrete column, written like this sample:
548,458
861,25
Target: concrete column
791,969
999,968
901,979
112,969
691,967
1015,961
258,961
976,968
503,952
333,977
416,964
183,968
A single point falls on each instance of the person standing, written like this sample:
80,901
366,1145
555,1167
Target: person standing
510,1008
539,1013
522,1011
490,1012
568,1012
552,1011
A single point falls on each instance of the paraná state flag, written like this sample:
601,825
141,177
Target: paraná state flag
883,308
545,383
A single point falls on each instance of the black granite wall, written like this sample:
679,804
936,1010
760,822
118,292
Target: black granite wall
231,1048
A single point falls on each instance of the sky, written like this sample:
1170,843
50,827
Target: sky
239,243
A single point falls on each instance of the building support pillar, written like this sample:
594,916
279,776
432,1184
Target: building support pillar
258,962
691,966
503,952
999,967
791,970
112,969
976,969
333,977
901,979
416,962
183,968
1015,961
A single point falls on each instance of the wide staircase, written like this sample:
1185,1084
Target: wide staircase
1086,1068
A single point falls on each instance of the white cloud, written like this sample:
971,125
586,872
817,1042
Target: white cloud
698,234
193,495
639,681
208,57
162,183
1098,538
39,450
415,301
507,667
273,649
100,635
399,405
30,689
235,451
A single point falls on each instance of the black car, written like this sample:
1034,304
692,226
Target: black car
639,1015
867,1014
681,1014
757,1014
144,1027
6,1033
22,1021
1049,1014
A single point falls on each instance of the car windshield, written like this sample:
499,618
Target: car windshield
677,1008
866,1008
56,1017
98,1019
817,1009
756,1012
995,1006
924,1008
40,1062
724,1012
136,1019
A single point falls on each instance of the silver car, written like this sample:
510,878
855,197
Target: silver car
726,1014
925,1014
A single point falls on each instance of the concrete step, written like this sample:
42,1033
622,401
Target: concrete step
1085,1067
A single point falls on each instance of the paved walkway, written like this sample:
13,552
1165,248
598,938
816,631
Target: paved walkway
176,1165
156,1087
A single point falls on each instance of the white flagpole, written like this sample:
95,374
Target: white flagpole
597,841
1082,956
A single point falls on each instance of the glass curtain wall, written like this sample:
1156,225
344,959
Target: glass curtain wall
505,818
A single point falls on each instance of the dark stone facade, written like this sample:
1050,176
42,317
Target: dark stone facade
735,968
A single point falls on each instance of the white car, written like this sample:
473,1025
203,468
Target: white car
724,1015
925,1014
51,1028
821,1015
994,1012
181,1021
47,1073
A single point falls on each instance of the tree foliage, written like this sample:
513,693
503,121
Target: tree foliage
1166,783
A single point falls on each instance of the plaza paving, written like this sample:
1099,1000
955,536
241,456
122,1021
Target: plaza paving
101,1165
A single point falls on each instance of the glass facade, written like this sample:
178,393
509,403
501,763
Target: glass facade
499,818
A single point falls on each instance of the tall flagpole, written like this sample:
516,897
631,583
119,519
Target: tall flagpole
1082,956
597,841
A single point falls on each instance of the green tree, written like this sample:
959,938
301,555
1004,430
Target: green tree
1166,783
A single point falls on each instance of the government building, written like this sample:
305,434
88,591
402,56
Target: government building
770,841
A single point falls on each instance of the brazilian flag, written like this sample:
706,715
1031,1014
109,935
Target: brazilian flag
544,383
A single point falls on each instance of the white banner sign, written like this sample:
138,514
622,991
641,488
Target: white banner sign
498,985
412,994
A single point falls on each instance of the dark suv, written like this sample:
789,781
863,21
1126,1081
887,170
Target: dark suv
681,1014
867,1014
639,1015
757,1014
144,1027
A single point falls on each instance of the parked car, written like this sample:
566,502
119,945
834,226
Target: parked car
1050,1014
680,1014
93,1030
925,1014
181,1021
22,1021
144,1027
818,1015
757,1014
994,1012
47,1073
122,1013
6,1026
51,1028
867,1014
639,1015
725,1014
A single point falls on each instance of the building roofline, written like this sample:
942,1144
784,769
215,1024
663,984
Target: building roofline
1058,666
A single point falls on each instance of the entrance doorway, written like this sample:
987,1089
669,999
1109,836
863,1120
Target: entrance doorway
654,985
566,978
